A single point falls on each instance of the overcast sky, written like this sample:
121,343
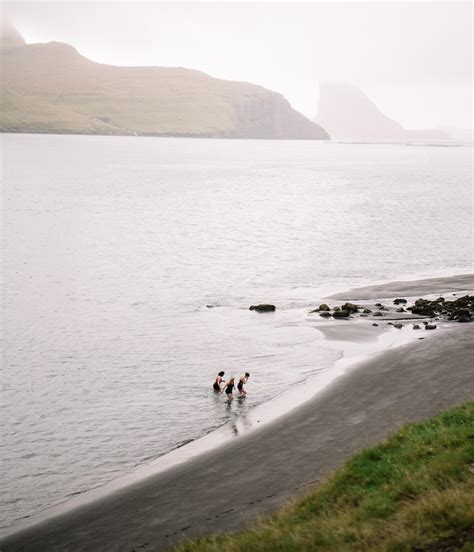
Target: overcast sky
413,59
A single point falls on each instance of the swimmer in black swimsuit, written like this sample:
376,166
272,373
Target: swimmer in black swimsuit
218,381
241,383
229,387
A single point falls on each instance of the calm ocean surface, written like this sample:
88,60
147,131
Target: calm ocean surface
114,248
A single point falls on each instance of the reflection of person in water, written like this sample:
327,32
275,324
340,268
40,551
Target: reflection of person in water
241,383
229,388
218,381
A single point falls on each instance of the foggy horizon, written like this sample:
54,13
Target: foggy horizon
420,81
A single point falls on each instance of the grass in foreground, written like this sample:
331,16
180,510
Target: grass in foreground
413,492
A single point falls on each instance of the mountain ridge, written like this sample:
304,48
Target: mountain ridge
50,87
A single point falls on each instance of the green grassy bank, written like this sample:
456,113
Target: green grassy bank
414,492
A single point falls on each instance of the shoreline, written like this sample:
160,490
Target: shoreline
346,340
65,527
263,414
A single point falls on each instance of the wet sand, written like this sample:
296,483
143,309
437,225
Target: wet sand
226,488
411,288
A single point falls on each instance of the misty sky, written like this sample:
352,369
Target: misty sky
413,59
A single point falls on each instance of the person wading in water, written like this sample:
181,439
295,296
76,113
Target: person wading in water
229,388
240,386
218,381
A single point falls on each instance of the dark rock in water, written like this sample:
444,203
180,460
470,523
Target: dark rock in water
398,326
389,323
440,300
430,327
337,309
401,309
350,307
462,313
367,311
378,305
416,327
323,307
325,314
399,301
263,308
363,315
464,319
375,324
378,313
341,314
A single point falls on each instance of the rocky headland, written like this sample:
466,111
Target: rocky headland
349,114
52,88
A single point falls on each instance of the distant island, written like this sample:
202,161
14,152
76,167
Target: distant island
51,88
348,114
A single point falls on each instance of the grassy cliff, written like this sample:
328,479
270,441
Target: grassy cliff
414,492
52,88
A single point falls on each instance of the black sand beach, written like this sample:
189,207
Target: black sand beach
232,485
449,284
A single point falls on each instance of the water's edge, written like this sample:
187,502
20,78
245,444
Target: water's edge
349,357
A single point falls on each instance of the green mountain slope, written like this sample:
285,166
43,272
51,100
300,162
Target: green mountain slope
52,88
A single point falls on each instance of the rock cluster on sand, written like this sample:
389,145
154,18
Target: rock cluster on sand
461,309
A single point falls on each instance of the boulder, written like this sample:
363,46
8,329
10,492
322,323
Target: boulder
350,307
375,324
423,310
416,327
323,307
378,305
430,327
401,309
462,313
263,308
464,319
399,301
325,314
367,311
398,326
378,313
341,314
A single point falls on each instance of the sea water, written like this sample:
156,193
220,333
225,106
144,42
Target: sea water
129,265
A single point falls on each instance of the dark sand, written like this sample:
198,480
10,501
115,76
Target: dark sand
419,288
223,489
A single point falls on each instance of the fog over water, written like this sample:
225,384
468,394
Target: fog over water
115,248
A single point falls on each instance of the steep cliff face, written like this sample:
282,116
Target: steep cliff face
263,113
52,88
348,114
